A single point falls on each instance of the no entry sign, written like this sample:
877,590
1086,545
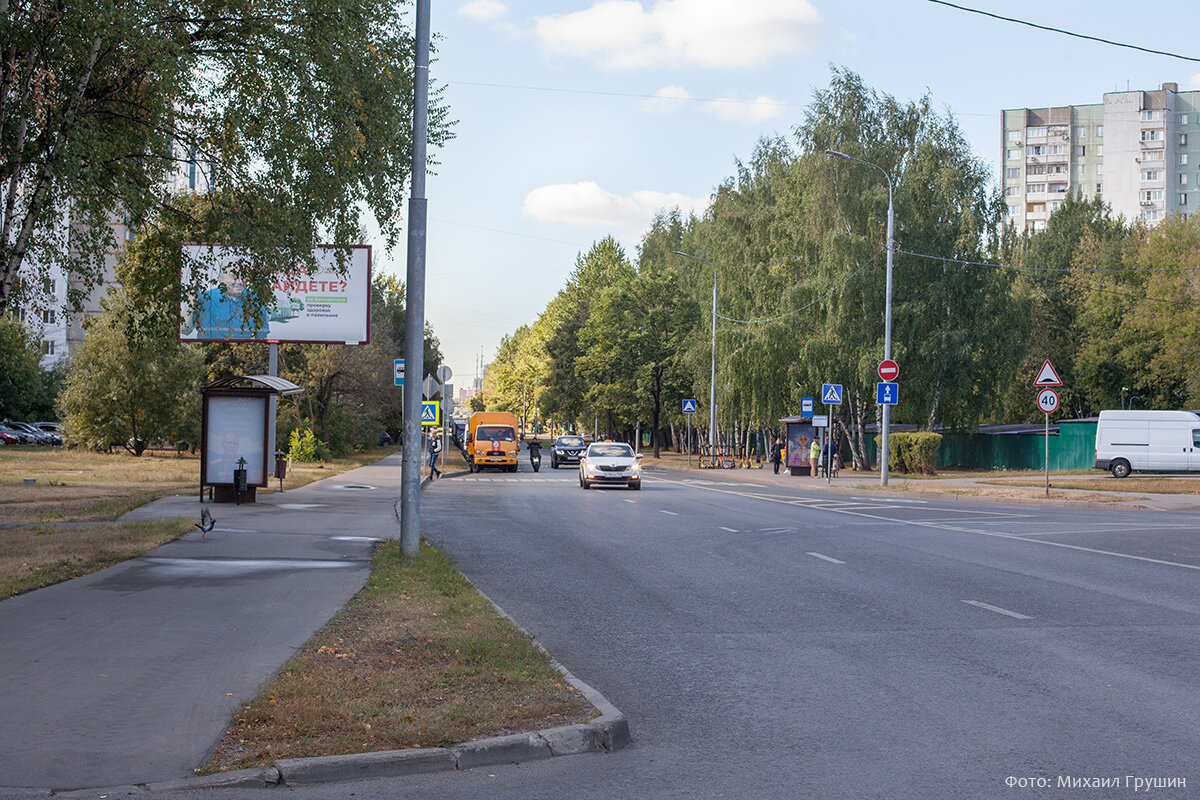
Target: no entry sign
888,370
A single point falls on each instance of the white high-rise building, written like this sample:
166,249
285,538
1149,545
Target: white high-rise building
1138,150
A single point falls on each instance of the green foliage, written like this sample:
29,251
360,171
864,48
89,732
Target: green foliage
130,393
21,382
300,112
304,446
913,452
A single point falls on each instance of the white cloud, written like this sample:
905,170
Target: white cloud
483,9
760,109
668,100
586,204
712,33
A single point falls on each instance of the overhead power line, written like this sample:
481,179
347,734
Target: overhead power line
1114,270
1066,32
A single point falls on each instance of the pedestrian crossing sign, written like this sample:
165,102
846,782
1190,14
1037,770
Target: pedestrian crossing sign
831,394
689,406
431,413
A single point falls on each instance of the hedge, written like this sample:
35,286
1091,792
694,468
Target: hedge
912,452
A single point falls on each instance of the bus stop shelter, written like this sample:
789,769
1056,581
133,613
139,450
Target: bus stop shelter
235,437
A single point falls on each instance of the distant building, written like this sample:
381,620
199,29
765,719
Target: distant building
1138,150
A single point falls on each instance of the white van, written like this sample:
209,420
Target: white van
1159,441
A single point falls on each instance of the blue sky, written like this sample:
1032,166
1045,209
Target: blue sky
579,118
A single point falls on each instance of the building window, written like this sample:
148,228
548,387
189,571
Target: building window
1152,214
1012,172
1182,159
1183,199
47,347
1152,155
1058,188
1012,191
1035,169
1151,195
1183,179
1035,131
1183,119
1099,188
1014,210
1080,131
1152,114
1080,150
1099,149
1183,140
1036,208
1054,205
1057,169
1100,168
1013,136
1152,135
1013,154
48,316
1035,188
1058,150
1036,225
1079,170
1099,130
1036,150
1152,174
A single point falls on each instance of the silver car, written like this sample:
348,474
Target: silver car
610,463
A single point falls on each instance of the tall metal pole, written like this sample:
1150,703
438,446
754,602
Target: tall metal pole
887,306
414,312
712,384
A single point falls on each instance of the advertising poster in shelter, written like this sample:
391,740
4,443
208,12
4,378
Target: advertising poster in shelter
237,428
326,307
799,436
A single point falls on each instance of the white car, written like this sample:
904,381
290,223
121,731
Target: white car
605,463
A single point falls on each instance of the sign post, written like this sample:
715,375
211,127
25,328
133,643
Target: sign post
831,395
689,408
1047,401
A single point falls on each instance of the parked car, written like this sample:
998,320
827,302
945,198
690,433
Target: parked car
39,436
1147,441
23,437
610,463
566,450
7,438
52,428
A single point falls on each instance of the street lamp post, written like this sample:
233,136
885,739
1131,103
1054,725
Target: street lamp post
712,384
887,313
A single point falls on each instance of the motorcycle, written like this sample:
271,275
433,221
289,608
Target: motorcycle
535,458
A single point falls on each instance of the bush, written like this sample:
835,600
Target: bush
912,452
304,446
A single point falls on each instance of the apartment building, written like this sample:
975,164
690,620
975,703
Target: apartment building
1138,150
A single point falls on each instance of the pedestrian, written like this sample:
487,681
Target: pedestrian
814,457
435,450
776,453
825,457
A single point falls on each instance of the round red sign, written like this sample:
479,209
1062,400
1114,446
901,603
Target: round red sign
1047,401
888,370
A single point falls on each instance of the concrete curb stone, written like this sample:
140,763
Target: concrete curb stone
512,749
360,766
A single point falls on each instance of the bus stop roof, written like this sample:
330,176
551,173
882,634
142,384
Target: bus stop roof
271,383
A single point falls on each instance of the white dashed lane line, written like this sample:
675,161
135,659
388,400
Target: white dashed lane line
664,511
826,558
996,609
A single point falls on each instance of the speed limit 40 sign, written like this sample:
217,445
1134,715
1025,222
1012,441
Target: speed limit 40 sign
1047,401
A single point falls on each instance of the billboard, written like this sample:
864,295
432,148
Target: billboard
324,307
235,428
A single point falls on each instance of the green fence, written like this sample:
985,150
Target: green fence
1072,447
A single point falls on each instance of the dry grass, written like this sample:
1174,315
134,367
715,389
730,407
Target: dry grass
1000,489
63,524
418,659
1144,485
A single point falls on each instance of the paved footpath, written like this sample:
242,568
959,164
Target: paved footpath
130,674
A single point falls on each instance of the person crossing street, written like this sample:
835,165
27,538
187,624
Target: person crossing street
435,450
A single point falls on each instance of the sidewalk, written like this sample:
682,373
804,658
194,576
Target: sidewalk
965,489
130,674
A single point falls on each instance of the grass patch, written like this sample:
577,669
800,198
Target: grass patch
63,524
417,659
1142,485
999,489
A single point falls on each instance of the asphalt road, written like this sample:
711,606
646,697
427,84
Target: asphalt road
767,641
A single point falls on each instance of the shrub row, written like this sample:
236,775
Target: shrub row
912,452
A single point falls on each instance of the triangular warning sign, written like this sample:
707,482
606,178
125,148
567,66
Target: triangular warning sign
1047,376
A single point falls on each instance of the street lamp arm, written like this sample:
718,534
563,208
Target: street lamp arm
886,176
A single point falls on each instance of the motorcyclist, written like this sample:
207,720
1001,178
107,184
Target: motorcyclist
535,449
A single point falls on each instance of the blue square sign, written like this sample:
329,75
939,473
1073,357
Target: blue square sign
887,394
831,394
689,406
806,407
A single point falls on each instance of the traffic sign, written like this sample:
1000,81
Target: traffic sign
1047,376
444,374
689,406
399,371
430,387
1047,401
888,370
887,394
831,394
431,413
821,421
806,406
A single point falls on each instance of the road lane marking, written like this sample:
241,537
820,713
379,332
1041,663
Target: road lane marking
664,511
627,500
826,558
936,526
997,609
731,530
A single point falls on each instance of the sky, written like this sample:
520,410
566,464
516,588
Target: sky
579,119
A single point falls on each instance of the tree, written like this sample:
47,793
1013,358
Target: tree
300,112
130,393
21,381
